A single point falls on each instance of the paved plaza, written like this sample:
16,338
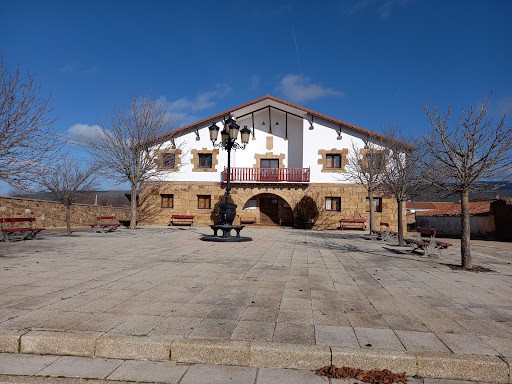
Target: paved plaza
288,299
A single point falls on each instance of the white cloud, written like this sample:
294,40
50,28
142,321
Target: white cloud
201,102
255,81
505,106
80,134
300,88
182,109
67,68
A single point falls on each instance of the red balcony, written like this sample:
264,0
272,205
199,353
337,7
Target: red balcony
266,175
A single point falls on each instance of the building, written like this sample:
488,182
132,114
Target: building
445,216
294,154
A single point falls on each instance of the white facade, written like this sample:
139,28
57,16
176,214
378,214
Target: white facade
291,138
295,161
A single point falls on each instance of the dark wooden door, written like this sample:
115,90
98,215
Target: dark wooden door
269,212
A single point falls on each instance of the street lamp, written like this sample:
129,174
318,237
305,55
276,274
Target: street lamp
229,136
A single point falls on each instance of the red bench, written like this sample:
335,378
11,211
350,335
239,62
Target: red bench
10,231
105,224
182,220
353,223
428,245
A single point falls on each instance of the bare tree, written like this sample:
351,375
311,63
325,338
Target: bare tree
400,176
461,157
129,148
66,181
365,167
25,126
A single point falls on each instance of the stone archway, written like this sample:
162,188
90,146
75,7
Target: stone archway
269,209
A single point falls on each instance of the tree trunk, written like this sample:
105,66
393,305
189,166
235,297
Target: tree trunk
68,220
465,249
400,204
133,221
372,213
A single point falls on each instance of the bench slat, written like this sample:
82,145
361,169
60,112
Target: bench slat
105,224
25,233
427,245
182,219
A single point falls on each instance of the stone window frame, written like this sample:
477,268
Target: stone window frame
204,151
207,198
377,201
169,197
270,156
333,198
323,159
381,152
160,160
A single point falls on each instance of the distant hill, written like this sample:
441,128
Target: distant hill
109,198
501,192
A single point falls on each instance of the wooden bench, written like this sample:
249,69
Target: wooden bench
429,245
384,233
182,220
13,230
105,224
247,219
353,223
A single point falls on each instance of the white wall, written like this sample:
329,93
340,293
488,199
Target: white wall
324,136
300,146
481,226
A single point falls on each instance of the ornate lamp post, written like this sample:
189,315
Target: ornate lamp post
228,141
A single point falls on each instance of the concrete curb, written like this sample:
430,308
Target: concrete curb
254,354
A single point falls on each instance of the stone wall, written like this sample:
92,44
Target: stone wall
353,201
51,214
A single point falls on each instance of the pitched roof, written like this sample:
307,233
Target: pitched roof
215,118
448,208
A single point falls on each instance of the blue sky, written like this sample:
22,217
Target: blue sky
369,62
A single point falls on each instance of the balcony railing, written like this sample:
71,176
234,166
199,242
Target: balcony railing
272,175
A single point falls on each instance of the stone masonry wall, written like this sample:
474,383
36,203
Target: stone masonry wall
51,214
353,201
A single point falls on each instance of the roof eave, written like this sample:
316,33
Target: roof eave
221,115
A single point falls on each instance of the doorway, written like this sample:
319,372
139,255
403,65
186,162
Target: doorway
269,211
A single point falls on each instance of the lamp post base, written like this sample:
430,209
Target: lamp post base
232,239
226,233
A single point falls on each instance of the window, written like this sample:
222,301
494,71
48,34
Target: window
332,161
205,160
168,160
269,163
333,204
167,200
204,201
269,169
377,204
375,160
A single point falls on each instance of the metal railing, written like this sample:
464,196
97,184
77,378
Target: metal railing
272,175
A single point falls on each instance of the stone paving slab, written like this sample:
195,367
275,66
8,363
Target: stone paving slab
71,366
35,369
129,294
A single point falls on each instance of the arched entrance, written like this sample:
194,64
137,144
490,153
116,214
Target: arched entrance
269,209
